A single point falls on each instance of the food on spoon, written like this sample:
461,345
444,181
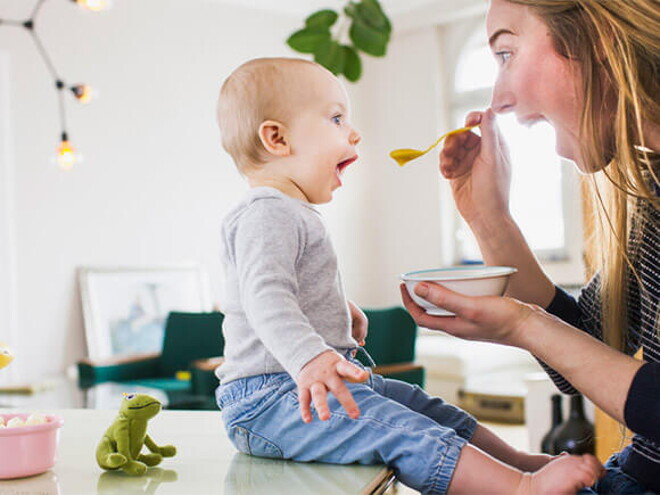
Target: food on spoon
404,155
6,355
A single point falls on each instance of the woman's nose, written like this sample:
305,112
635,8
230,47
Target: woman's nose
502,100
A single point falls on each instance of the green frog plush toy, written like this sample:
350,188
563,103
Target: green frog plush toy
122,442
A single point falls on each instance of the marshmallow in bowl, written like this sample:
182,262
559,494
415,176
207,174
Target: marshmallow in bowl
35,419
15,422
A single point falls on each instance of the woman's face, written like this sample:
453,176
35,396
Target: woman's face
534,81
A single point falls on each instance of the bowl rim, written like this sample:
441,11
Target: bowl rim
497,271
54,422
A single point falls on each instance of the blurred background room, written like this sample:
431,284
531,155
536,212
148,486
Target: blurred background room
151,183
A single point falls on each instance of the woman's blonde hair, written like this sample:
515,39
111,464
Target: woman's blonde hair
259,90
616,44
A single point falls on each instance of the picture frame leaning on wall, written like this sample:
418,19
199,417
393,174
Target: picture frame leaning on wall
125,308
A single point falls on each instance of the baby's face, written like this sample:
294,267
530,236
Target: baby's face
323,141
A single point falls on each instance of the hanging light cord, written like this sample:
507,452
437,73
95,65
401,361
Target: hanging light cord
80,91
29,25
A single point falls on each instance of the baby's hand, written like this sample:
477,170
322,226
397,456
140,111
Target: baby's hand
326,373
359,324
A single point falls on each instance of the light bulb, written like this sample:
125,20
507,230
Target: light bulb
94,5
83,93
66,156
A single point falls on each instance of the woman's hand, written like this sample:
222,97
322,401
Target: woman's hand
599,372
485,318
478,169
359,324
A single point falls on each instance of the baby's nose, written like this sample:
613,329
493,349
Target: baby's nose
355,137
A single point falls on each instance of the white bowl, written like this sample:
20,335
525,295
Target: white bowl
469,280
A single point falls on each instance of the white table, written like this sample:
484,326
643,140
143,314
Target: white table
205,463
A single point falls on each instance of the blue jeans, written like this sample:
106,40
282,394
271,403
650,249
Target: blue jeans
616,481
420,437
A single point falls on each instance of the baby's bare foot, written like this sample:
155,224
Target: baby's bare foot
564,474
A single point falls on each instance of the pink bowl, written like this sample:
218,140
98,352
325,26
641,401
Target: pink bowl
28,450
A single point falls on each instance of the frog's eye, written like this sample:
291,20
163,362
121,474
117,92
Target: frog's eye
129,396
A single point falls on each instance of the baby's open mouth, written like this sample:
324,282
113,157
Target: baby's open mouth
341,166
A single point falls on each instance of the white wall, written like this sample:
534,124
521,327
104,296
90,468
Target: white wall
155,183
392,212
7,259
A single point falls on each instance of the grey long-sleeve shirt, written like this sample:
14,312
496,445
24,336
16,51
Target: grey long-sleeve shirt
284,300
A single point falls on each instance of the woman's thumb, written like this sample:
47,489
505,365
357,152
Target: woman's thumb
488,131
441,296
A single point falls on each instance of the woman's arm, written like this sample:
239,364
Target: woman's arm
502,244
625,388
478,170
601,373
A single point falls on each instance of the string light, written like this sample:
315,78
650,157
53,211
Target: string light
94,5
83,93
66,156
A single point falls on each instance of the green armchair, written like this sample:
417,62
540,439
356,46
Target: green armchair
391,344
183,369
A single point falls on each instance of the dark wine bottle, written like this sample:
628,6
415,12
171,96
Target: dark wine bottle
547,442
576,434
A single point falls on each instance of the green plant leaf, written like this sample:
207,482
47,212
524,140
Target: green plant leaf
372,14
321,19
369,32
308,40
368,39
351,10
352,64
331,55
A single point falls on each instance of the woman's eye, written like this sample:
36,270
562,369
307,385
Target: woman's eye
502,56
337,119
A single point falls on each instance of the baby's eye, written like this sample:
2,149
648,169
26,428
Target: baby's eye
337,119
502,56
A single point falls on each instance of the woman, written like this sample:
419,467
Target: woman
591,68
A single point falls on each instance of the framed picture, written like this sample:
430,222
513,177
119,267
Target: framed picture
125,309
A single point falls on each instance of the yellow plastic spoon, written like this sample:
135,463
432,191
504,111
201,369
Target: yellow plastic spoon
405,155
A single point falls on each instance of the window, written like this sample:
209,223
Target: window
544,197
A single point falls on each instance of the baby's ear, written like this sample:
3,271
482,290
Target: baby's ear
274,138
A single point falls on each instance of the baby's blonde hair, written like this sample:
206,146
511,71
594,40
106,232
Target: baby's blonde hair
259,90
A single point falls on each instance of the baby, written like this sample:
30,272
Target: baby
290,333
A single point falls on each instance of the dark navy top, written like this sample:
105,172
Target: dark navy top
642,409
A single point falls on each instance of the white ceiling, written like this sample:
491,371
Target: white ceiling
408,14
302,7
